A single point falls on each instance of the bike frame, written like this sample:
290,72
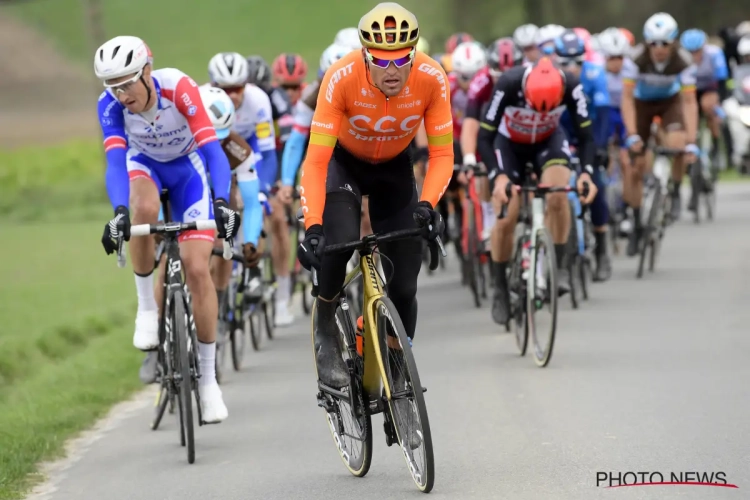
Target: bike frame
471,201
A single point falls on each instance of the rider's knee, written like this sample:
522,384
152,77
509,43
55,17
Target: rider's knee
195,259
144,205
557,202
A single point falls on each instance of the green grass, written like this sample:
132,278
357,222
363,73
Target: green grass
65,349
186,34
732,176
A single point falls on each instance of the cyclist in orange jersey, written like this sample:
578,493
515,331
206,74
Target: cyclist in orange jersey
369,109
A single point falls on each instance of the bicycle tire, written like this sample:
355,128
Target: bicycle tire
306,299
517,288
471,261
542,356
162,399
648,231
573,256
697,185
237,342
364,420
268,316
185,385
386,313
252,323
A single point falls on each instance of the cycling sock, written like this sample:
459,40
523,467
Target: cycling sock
144,285
714,147
499,269
561,251
282,290
488,214
207,353
676,189
601,244
637,217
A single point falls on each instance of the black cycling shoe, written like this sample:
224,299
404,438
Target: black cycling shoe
332,369
634,241
563,281
603,268
501,305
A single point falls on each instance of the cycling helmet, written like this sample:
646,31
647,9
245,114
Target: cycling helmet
628,35
693,40
220,109
349,38
289,69
660,27
389,27
743,47
259,72
228,69
743,29
569,47
548,33
467,59
446,61
525,35
613,43
423,45
543,86
502,55
595,45
455,40
121,56
332,54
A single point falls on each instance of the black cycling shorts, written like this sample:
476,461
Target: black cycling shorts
392,192
513,157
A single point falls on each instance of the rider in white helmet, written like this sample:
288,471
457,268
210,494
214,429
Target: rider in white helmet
525,38
140,161
349,38
467,60
220,110
743,49
333,53
545,38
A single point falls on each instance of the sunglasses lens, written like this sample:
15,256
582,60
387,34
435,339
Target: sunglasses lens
384,63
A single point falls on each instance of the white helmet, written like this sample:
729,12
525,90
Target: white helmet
613,43
228,69
349,38
121,56
468,58
743,29
525,35
661,27
548,33
332,54
596,45
743,47
220,109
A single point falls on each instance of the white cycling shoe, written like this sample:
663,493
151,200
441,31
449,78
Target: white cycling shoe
146,336
213,409
283,317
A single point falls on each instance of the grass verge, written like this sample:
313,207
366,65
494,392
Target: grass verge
65,351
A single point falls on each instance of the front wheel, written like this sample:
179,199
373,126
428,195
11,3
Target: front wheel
185,383
542,298
407,406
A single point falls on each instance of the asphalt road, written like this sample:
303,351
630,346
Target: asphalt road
647,376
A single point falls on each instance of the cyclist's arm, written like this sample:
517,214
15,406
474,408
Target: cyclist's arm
721,73
490,123
600,101
205,135
115,149
575,101
470,125
689,102
295,145
264,132
324,133
241,159
438,124
627,102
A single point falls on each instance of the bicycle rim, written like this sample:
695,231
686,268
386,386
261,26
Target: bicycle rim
237,341
185,385
407,406
543,299
517,289
575,275
252,325
349,421
585,275
269,312
472,266
160,406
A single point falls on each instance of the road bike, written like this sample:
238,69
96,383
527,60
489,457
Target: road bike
383,373
476,259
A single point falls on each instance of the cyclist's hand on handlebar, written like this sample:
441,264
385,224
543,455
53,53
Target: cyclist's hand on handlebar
461,177
634,143
251,254
227,220
119,223
691,153
285,194
310,251
585,179
429,219
499,192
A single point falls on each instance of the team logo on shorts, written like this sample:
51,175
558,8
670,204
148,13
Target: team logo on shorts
192,110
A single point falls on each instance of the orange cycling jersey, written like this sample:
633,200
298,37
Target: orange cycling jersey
375,128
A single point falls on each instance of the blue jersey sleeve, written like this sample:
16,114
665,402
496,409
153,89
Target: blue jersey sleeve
218,167
292,157
252,215
112,122
719,63
600,102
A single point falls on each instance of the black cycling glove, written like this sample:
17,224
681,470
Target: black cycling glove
120,223
429,219
227,220
310,251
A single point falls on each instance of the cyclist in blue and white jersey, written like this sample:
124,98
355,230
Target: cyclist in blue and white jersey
281,106
303,115
157,135
660,82
571,54
254,123
711,83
